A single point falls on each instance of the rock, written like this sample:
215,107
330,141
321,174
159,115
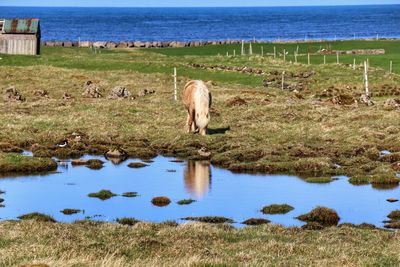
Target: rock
99,44
91,90
392,200
67,44
366,100
111,45
204,153
41,93
118,153
138,44
11,94
123,45
119,92
344,100
67,96
85,44
145,92
391,104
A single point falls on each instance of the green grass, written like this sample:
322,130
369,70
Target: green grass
16,163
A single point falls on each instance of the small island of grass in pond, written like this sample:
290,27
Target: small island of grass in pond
323,216
319,180
36,216
277,209
209,219
256,221
102,194
161,201
130,194
185,201
70,211
16,163
137,165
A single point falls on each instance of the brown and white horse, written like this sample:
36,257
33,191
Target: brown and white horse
197,100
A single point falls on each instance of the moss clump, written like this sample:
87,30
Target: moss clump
256,221
385,179
277,209
94,164
127,221
394,215
137,165
170,223
39,217
312,226
393,225
362,180
130,194
185,201
102,194
321,215
70,211
209,219
16,163
319,180
161,201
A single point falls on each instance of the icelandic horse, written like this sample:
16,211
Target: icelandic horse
197,100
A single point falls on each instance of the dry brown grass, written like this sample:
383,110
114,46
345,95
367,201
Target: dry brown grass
144,244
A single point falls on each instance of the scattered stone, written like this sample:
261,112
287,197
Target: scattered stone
102,194
137,165
256,221
366,100
391,104
185,202
70,211
161,201
127,221
39,217
91,90
277,209
392,200
145,92
11,94
118,153
209,219
119,92
321,215
236,101
41,93
67,96
344,100
79,162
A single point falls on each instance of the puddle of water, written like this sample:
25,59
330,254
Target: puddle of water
218,193
385,152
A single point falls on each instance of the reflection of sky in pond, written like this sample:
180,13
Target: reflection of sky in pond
219,193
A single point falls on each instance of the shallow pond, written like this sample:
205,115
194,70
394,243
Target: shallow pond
217,192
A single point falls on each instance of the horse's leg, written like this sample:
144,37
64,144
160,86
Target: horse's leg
189,122
193,126
203,131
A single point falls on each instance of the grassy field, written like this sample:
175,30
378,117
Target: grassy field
253,128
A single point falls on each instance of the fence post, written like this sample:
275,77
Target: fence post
283,80
295,57
227,54
337,58
309,59
175,87
354,64
324,59
391,67
242,47
366,78
234,53
284,54
262,51
274,52
250,49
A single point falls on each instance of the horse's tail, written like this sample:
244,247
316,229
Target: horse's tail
201,104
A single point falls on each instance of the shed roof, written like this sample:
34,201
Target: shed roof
21,26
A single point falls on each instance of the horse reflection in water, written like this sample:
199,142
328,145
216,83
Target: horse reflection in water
198,178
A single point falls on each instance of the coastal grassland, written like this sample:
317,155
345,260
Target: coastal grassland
144,244
269,130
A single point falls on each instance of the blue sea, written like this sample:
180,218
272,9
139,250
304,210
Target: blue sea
187,24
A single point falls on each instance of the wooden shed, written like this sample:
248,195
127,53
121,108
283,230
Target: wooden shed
20,36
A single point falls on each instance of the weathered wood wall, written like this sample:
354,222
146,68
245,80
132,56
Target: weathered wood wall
18,44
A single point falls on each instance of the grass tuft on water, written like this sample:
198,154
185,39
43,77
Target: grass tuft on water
137,165
256,221
36,216
209,219
161,201
102,194
185,201
16,163
130,194
127,221
321,215
277,209
70,211
319,180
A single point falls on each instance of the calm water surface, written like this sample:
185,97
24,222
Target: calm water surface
218,193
